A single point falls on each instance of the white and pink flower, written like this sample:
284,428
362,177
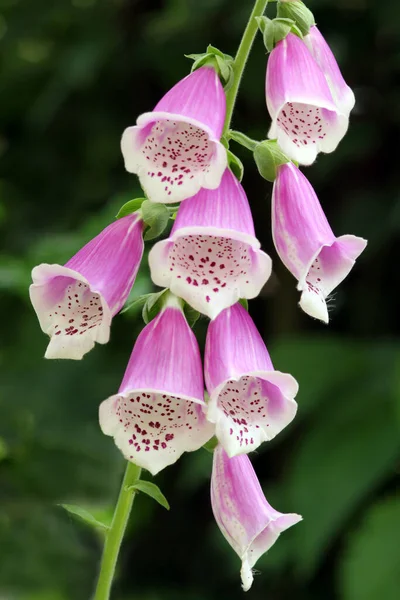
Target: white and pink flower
175,149
212,257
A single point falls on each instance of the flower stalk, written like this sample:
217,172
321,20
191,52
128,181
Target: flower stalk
241,57
116,532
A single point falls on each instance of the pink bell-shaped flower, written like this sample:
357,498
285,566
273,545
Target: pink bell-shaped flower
250,402
342,94
75,303
306,243
175,149
159,411
212,257
305,118
249,524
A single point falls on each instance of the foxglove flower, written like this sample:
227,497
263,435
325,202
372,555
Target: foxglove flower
246,520
212,257
158,412
305,118
342,94
175,149
75,303
306,243
250,402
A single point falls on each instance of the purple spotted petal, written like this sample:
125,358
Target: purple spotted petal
175,149
158,412
75,303
342,94
249,524
212,257
250,402
306,243
305,118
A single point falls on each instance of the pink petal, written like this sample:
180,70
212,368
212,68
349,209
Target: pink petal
158,412
306,243
247,521
250,402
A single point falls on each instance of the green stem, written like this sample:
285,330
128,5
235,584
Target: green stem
116,533
243,139
241,58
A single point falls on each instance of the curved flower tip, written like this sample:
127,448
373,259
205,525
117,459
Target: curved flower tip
342,94
306,243
75,303
247,521
305,118
212,257
175,149
250,402
159,411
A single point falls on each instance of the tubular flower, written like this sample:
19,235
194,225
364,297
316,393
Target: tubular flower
212,257
75,303
175,149
250,402
158,413
246,520
306,243
305,118
342,94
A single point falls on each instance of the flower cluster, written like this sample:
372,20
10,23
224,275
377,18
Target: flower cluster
211,261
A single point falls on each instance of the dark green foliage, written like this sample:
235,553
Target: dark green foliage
75,73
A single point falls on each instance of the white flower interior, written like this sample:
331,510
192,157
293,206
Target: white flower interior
154,429
210,270
250,411
304,124
72,319
175,159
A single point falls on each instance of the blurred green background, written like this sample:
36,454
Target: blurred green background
74,74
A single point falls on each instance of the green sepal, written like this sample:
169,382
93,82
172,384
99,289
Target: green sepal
235,165
298,12
244,303
211,444
191,314
85,516
268,157
136,304
156,217
222,63
130,207
153,304
275,30
150,489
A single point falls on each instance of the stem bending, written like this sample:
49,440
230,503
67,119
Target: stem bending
116,533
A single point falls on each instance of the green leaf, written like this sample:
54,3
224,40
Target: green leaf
84,516
350,451
3,449
268,157
152,490
192,315
153,306
211,444
370,564
244,303
130,207
136,304
299,13
156,217
235,165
